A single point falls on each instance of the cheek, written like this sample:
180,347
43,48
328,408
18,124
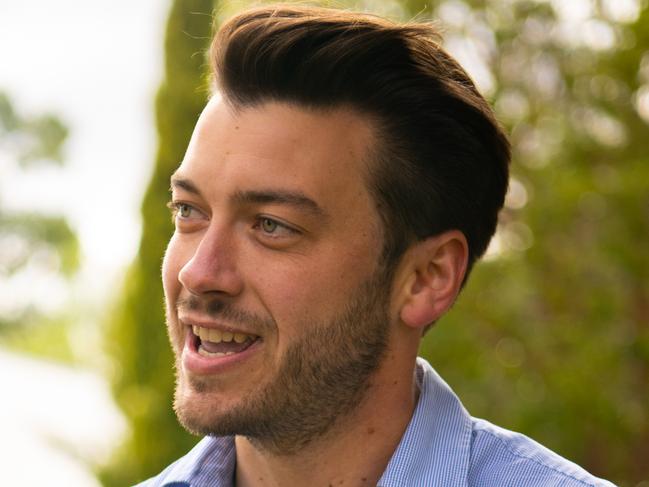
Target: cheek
299,294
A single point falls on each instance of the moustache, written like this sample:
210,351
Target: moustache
223,311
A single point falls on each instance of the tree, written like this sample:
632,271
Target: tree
136,340
31,241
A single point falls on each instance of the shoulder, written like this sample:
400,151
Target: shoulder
165,478
504,458
444,446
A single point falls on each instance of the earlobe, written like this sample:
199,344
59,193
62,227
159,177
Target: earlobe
418,311
436,271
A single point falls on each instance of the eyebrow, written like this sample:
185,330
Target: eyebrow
295,199
182,183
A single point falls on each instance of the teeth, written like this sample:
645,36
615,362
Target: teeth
205,353
214,336
204,333
218,336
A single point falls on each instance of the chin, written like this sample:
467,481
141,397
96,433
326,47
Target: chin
202,410
196,408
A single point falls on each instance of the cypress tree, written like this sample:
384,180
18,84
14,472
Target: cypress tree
136,339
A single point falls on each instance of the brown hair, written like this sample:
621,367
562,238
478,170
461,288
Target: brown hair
442,160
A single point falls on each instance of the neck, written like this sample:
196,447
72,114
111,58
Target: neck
355,451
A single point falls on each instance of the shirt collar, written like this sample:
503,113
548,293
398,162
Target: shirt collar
209,464
435,448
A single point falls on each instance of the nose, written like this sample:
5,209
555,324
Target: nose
212,268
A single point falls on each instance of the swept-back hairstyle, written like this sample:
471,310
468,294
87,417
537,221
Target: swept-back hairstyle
441,159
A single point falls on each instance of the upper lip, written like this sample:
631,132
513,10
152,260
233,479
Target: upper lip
189,320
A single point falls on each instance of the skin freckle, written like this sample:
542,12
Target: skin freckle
370,430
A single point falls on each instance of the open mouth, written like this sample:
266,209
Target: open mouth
210,342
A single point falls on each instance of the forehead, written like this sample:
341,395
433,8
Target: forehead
278,146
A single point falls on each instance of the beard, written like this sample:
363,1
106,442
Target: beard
324,376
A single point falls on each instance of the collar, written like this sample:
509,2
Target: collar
435,448
210,463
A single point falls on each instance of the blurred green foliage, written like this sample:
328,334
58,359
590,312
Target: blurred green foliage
551,335
31,140
29,240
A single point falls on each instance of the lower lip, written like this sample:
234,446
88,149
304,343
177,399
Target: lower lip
198,364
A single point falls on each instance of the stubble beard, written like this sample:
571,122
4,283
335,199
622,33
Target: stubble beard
324,377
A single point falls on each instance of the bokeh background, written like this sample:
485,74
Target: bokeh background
97,103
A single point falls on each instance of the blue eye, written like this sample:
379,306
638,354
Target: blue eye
268,225
271,228
184,210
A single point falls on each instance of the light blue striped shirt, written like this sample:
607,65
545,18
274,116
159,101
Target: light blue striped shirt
443,446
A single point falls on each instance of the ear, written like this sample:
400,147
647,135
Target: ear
435,270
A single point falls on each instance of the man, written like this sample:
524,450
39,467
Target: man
340,184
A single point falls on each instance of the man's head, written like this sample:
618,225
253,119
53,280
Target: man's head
322,214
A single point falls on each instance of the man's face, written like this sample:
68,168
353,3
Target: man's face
276,305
